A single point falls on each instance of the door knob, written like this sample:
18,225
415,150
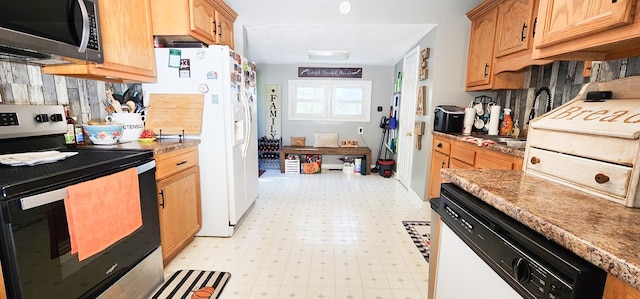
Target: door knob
409,134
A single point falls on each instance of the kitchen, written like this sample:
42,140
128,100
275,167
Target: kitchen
443,85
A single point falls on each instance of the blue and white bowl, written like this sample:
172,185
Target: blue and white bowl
103,134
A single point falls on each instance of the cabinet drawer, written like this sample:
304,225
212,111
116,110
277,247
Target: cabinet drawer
463,154
441,146
457,164
175,161
607,178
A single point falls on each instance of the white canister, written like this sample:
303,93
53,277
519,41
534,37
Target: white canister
469,119
494,120
133,124
347,168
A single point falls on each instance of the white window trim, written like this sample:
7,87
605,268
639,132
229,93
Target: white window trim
329,86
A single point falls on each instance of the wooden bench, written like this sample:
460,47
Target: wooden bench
340,151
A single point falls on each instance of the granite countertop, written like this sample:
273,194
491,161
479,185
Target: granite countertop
514,151
159,146
605,233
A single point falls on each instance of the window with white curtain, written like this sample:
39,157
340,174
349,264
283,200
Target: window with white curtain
330,100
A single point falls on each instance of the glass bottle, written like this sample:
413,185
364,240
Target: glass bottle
79,134
70,135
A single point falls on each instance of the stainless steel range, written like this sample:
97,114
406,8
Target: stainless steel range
35,246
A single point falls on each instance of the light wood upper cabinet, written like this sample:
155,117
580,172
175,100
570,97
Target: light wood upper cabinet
127,44
224,28
207,21
587,30
202,22
515,26
564,20
480,61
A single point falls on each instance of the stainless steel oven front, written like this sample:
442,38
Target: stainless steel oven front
36,258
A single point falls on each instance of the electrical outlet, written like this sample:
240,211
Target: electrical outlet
360,130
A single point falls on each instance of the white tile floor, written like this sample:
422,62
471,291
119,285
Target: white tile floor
328,235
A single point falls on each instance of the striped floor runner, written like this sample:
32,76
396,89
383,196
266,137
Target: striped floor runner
188,284
420,232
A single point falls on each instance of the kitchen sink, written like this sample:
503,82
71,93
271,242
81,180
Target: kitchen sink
512,142
508,141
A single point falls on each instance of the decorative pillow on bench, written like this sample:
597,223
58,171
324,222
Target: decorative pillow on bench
325,139
298,141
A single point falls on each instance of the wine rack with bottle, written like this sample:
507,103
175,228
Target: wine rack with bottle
269,152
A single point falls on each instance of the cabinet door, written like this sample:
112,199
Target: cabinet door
489,159
438,161
127,41
480,62
224,29
179,208
564,20
515,22
202,19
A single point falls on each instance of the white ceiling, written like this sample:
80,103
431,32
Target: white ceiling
375,32
368,44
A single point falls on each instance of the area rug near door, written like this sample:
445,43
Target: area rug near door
420,234
193,284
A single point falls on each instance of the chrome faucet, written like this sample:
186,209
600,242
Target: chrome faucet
532,114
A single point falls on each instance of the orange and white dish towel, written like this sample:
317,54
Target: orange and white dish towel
102,211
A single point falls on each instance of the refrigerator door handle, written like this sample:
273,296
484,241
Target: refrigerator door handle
248,122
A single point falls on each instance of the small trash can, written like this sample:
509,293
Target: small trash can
385,167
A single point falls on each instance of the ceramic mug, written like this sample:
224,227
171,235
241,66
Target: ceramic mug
133,124
479,109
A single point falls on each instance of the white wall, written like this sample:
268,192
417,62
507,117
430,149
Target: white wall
381,95
447,63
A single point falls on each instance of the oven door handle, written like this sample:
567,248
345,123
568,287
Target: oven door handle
42,199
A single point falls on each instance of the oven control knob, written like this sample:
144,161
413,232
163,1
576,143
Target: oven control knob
520,270
56,117
42,118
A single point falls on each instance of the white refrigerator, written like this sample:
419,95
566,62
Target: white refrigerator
228,150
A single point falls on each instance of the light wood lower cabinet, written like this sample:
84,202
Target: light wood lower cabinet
178,200
450,153
438,161
618,289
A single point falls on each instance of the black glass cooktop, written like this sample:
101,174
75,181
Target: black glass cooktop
88,164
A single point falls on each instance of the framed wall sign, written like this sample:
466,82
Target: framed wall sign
329,72
273,111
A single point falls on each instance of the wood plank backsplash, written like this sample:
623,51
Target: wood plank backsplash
564,79
26,84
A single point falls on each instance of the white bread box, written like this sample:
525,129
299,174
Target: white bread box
592,146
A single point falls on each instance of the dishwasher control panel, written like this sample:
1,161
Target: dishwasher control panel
530,263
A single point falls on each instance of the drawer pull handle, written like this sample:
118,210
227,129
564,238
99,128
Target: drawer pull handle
162,202
535,160
183,162
439,145
601,178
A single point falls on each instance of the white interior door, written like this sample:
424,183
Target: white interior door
409,92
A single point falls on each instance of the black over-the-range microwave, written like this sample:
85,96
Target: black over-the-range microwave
42,31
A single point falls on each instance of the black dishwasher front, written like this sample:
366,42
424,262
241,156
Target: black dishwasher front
531,264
